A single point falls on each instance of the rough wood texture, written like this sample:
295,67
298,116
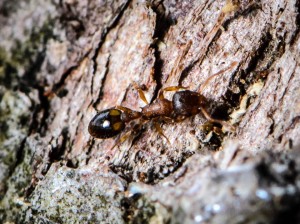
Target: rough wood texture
61,61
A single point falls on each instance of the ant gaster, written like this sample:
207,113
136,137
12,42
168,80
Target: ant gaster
185,103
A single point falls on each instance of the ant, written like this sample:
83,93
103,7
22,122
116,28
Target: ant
185,103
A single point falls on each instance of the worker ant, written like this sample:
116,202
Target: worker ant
185,103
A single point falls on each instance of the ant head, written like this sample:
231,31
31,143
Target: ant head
106,124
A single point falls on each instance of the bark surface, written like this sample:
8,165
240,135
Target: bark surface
62,61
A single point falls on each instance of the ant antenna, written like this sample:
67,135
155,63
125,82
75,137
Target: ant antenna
202,87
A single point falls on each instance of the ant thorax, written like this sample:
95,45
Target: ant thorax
159,108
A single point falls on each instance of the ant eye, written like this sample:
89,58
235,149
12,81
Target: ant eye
106,124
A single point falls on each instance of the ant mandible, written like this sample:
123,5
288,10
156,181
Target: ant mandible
185,103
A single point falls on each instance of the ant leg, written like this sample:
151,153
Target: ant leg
133,131
168,120
125,109
209,118
160,131
122,139
141,93
178,60
170,88
180,118
202,87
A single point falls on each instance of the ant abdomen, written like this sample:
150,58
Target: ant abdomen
106,124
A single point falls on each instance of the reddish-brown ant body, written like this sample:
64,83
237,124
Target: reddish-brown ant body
185,103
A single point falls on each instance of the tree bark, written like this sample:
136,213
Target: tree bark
62,61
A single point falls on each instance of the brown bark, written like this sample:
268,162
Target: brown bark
61,62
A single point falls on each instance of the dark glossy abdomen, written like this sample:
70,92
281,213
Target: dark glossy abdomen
187,103
106,124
